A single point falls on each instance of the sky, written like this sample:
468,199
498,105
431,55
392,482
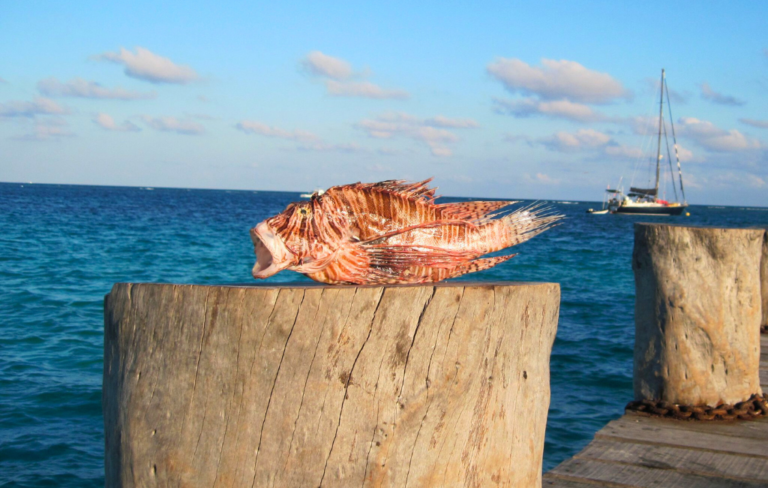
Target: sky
542,100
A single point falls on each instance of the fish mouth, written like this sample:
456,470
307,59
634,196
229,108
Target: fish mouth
270,253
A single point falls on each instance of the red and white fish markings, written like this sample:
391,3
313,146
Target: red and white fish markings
391,232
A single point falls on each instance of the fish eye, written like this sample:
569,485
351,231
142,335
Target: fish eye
303,211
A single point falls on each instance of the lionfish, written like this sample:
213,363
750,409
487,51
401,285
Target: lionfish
390,232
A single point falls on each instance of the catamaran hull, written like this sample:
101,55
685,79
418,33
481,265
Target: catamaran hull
677,210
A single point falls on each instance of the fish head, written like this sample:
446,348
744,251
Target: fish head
283,241
272,256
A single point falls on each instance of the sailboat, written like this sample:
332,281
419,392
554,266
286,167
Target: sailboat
646,201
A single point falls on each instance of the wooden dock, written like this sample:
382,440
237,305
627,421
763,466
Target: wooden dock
637,451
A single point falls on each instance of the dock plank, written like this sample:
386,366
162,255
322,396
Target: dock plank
752,429
671,435
695,461
642,476
559,481
636,451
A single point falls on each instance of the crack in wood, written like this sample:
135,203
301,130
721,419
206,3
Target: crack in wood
234,392
274,382
346,386
238,470
306,379
197,363
413,340
370,446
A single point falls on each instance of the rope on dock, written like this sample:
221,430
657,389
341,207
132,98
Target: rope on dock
756,406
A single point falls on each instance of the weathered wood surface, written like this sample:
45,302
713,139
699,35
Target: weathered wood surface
764,279
636,451
697,313
439,385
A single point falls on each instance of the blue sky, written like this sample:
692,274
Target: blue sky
494,99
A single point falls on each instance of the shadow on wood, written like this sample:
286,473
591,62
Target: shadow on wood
435,385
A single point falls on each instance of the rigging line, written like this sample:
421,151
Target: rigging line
661,119
674,139
669,158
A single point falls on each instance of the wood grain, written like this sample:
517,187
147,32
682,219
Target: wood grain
638,451
697,313
232,386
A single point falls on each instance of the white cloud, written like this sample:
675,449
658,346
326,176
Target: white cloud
540,179
734,179
760,124
684,154
525,107
362,89
623,152
77,87
643,125
325,147
595,142
756,181
556,80
707,93
40,106
337,74
148,66
319,64
172,124
253,127
308,141
440,121
433,132
514,138
108,123
546,179
47,129
379,168
711,137
582,139
654,84
441,151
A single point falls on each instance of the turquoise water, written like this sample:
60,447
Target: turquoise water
62,248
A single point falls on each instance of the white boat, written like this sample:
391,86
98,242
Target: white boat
646,201
318,192
604,209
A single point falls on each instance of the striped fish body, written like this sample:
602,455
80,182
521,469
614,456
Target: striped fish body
390,232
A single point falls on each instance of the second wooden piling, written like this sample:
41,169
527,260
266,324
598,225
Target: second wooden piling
697,314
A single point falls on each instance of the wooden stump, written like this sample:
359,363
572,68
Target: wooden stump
764,280
697,314
434,385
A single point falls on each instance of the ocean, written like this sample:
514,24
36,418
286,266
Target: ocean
62,247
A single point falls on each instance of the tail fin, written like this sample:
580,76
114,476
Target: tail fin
521,225
477,212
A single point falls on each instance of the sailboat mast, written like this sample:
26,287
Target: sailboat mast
661,121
